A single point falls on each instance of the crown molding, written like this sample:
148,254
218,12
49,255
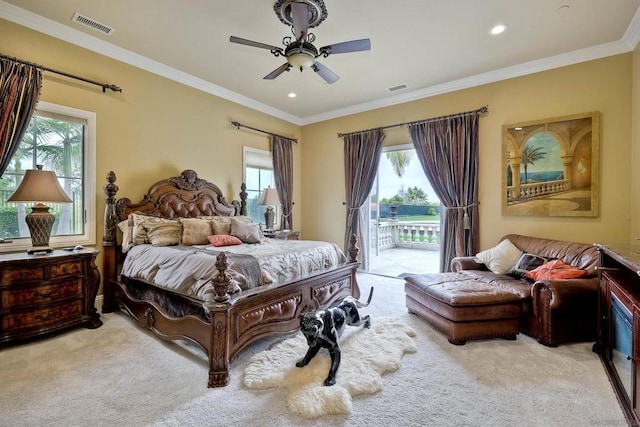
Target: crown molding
41,24
575,57
54,29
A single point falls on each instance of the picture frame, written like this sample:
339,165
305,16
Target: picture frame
550,167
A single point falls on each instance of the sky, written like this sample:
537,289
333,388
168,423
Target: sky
413,176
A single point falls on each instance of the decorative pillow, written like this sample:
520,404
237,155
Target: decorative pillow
224,240
500,258
525,264
126,227
556,269
195,231
222,224
248,233
140,226
164,233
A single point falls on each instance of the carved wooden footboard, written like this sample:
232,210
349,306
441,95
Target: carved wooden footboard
225,323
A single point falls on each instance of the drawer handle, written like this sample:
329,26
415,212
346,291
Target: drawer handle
47,294
51,315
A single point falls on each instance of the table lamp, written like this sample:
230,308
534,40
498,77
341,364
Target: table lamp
39,186
269,198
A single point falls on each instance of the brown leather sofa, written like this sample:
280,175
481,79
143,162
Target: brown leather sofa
474,303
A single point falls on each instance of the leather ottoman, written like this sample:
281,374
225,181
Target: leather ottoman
463,308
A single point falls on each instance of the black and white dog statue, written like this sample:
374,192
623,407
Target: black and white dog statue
323,328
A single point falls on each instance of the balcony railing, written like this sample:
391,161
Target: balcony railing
536,189
405,234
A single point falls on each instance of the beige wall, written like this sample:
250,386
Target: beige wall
603,85
157,128
635,149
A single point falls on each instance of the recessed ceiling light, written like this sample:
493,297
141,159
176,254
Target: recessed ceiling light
292,95
498,29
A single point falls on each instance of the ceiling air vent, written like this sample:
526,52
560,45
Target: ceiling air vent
91,23
395,88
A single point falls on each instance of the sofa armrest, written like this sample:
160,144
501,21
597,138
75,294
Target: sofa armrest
466,263
566,310
562,292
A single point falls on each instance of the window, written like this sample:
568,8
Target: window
258,175
61,139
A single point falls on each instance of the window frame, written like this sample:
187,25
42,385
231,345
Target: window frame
251,151
89,183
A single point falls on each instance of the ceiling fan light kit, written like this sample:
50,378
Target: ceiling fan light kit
300,52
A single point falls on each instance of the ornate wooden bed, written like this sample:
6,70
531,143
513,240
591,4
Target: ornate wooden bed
224,325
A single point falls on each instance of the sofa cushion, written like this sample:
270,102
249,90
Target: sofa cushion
554,270
500,258
525,264
580,255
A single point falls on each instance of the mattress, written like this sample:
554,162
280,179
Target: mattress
188,270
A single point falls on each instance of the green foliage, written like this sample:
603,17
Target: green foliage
416,196
8,222
395,200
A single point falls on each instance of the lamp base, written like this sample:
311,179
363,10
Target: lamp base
40,223
40,249
269,216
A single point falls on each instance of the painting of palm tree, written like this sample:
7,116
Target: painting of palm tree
551,166
530,155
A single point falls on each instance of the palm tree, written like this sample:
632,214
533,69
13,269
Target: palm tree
530,155
60,146
399,161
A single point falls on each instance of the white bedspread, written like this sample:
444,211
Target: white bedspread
188,272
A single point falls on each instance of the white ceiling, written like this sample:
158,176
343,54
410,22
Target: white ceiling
432,46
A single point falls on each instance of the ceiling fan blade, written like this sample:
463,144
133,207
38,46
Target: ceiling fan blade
300,17
328,75
346,47
275,73
234,39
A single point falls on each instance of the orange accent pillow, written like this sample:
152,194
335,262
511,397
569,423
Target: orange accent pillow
556,269
224,240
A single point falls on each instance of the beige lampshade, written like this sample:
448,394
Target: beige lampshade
269,197
40,186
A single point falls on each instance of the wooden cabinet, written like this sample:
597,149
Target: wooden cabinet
619,324
40,294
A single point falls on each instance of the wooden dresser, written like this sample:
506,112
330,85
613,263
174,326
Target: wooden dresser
619,324
44,293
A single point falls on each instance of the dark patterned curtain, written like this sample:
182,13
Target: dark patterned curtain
282,152
361,158
20,86
448,151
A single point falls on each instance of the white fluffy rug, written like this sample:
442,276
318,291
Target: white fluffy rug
366,355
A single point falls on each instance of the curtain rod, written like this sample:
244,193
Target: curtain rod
465,113
240,125
104,86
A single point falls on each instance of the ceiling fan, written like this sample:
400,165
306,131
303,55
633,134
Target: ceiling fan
299,50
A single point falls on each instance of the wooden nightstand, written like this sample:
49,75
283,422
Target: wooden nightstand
41,294
282,234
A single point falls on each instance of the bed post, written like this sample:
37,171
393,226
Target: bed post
109,243
220,335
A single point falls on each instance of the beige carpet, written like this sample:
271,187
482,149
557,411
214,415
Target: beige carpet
119,375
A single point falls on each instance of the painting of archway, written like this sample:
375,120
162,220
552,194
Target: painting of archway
551,166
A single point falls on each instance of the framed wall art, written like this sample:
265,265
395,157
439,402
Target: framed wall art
551,166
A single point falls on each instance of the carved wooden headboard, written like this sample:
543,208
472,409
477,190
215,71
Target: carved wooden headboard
184,196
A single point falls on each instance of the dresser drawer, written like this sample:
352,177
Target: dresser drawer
41,294
64,269
42,318
10,275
